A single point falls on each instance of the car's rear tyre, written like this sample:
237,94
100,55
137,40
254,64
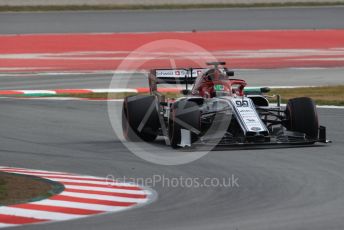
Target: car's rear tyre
184,115
302,116
140,121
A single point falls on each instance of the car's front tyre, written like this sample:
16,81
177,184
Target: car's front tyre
302,116
183,115
140,121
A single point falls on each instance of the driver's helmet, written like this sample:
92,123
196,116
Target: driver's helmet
217,77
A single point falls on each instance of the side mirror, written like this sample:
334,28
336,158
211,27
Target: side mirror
230,73
185,91
265,89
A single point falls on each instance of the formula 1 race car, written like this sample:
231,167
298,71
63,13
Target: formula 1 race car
219,111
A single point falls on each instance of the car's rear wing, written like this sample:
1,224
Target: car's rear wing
188,76
172,76
178,76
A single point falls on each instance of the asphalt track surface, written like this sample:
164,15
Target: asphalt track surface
298,188
268,77
173,20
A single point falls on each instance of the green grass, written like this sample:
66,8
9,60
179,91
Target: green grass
3,191
162,6
15,188
325,95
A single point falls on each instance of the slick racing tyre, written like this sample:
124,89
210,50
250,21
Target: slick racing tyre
140,121
302,116
184,115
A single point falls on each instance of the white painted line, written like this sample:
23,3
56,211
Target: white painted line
104,197
330,107
286,86
38,91
318,106
62,180
88,188
70,204
118,90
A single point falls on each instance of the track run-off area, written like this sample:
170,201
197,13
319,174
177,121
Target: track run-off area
242,49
